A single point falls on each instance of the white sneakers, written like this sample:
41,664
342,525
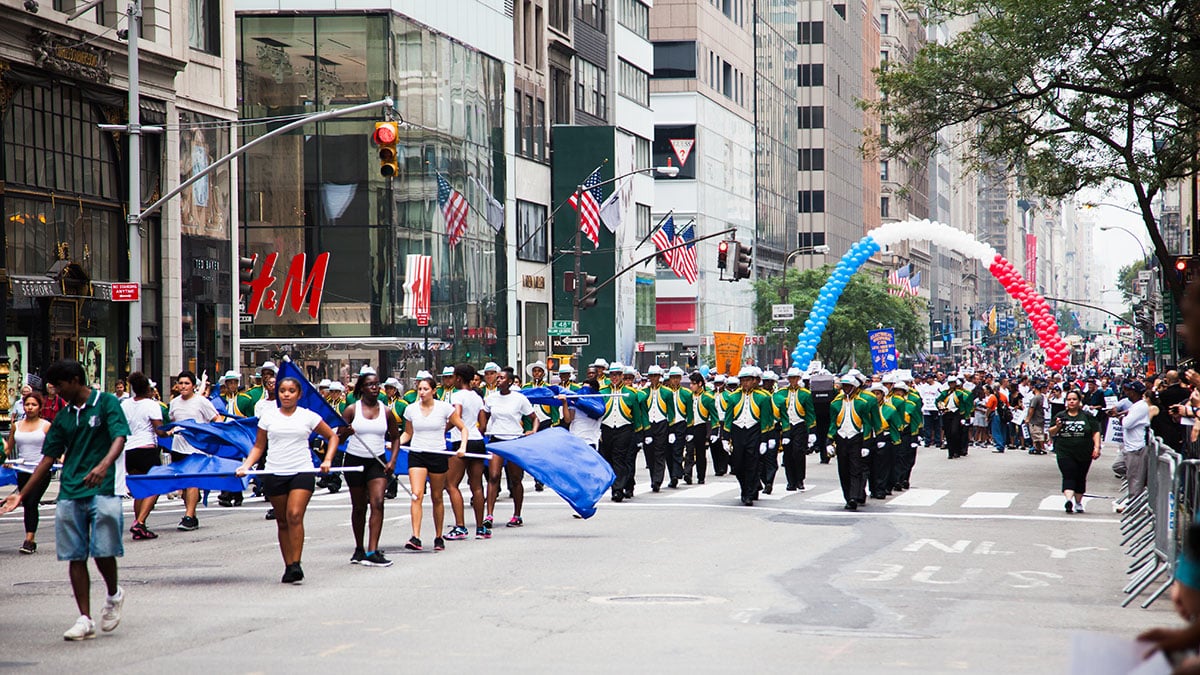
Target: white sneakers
84,629
111,617
1078,507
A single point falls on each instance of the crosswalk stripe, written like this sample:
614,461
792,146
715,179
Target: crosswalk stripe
990,500
918,497
1055,503
831,497
702,491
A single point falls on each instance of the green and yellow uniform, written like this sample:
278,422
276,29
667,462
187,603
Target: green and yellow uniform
248,399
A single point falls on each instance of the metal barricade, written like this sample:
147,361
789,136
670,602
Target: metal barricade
1149,521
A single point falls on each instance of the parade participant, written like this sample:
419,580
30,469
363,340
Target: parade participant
368,430
188,406
351,398
447,386
468,405
143,416
716,442
323,389
929,389
956,406
565,375
579,424
823,387
885,441
410,396
905,456
798,416
1076,443
247,399
677,431
289,485
391,391
230,389
747,419
547,415
701,414
491,371
26,438
849,425
621,421
658,409
426,422
337,396
88,519
768,462
506,415
600,366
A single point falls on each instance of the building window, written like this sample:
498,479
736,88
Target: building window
641,151
643,221
675,59
812,74
560,96
519,129
727,79
885,207
812,32
884,22
812,116
883,59
812,159
560,15
883,170
590,89
633,82
810,239
591,12
635,16
539,129
883,134
532,237
812,201
840,9
204,26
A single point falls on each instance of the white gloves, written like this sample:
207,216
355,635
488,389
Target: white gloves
649,440
830,450
964,423
771,444
688,438
866,452
879,445
787,441
670,438
712,439
913,445
728,446
762,448
812,440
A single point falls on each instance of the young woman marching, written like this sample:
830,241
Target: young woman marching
369,426
144,416
468,405
503,414
24,444
285,431
425,427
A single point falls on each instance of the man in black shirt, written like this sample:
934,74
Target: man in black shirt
1167,426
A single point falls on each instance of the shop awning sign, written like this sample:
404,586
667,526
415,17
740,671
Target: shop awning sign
297,288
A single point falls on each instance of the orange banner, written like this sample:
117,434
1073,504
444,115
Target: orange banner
728,348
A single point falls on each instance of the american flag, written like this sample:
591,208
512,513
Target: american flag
664,237
589,213
454,209
684,265
899,281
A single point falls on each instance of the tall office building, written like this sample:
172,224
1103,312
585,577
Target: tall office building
775,83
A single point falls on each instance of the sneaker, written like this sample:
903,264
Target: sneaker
28,547
141,532
439,544
376,559
292,574
483,533
1069,506
358,557
84,629
1078,507
487,522
110,618
270,514
188,523
457,533
413,544
800,487
515,522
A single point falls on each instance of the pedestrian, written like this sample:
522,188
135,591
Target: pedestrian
506,415
999,417
24,444
621,421
370,431
144,417
748,417
88,517
188,406
52,402
658,409
849,425
1076,444
425,425
702,414
1135,420
468,405
1035,419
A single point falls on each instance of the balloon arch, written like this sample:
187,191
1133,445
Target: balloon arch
1058,353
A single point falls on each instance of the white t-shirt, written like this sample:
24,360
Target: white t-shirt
586,428
506,413
197,409
264,406
929,393
1134,425
139,413
428,431
471,405
287,439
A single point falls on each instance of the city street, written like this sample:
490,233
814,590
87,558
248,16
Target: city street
976,569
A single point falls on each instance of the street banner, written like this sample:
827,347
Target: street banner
883,349
728,348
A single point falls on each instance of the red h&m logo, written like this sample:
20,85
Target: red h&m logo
296,287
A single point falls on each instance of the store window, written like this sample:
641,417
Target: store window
591,87
204,25
634,83
674,60
532,233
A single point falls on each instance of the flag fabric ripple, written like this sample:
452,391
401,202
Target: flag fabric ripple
563,462
309,396
231,440
207,472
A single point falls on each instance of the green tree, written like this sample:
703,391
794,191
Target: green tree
1127,278
865,305
1067,93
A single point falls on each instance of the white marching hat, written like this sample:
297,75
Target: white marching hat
231,375
491,367
719,378
675,370
423,374
566,368
795,372
900,384
615,366
848,379
770,375
878,386
392,382
367,370
337,386
747,371
653,370
535,364
630,370
448,371
323,384
601,363
269,365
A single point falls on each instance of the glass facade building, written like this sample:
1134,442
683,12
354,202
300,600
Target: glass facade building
319,190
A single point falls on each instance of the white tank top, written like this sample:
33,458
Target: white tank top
29,444
370,435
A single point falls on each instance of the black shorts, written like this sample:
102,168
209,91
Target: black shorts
429,461
178,456
372,469
139,461
278,486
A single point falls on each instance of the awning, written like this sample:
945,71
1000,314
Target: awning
364,342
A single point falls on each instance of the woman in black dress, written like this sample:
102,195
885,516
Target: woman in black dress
1076,437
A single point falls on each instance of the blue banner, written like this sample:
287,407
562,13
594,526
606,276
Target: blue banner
207,472
309,396
592,406
883,349
564,462
231,440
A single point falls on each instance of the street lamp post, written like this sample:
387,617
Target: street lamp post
1145,253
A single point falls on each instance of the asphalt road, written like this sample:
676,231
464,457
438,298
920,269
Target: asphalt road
978,569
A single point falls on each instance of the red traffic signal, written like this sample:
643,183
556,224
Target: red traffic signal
722,254
386,135
1181,264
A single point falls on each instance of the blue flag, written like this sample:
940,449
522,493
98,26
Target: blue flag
231,440
309,396
207,472
219,403
564,462
8,476
592,406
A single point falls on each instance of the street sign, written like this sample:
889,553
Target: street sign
575,340
126,292
1160,330
784,312
245,318
779,329
422,319
561,327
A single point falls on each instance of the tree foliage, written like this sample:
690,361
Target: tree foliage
1127,278
865,305
1067,93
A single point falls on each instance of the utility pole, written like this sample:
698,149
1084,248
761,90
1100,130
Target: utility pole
134,218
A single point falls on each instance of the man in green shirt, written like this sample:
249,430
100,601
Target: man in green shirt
90,431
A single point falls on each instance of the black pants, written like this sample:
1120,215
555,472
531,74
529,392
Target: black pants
656,452
695,452
720,458
675,451
30,503
768,462
905,455
956,434
617,448
743,460
882,461
852,468
1074,471
795,463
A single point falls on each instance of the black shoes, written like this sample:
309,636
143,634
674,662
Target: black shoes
413,544
674,484
851,505
790,488
618,497
188,523
767,490
746,501
270,514
292,574
687,480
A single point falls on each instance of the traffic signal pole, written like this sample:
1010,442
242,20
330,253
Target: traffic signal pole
639,261
134,219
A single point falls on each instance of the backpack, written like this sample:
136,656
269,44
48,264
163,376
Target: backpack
1003,410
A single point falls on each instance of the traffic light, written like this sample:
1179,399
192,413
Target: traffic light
723,254
587,291
743,261
246,269
386,135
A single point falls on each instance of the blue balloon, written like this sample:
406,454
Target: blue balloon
704,371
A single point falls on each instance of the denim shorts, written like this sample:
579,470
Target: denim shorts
89,527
